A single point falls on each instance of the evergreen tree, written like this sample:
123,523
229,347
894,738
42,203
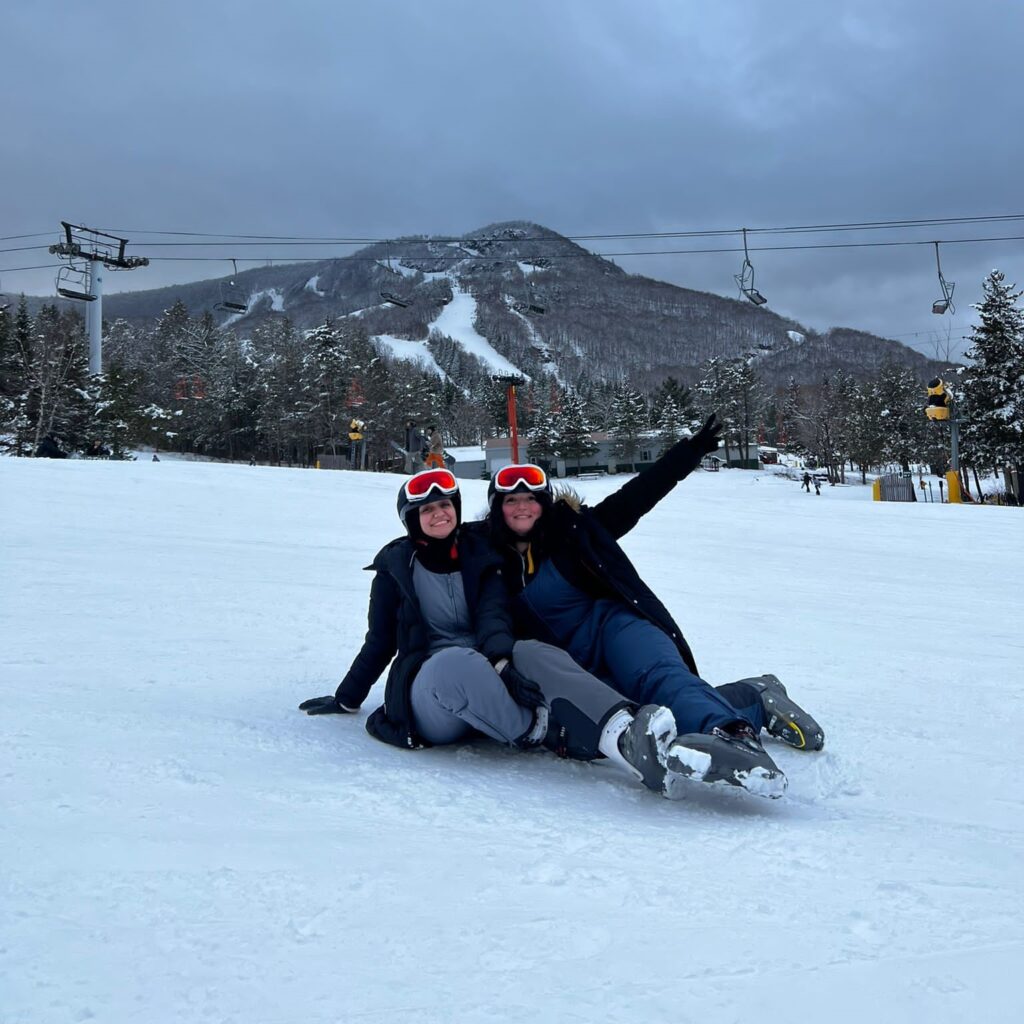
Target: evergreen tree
543,435
898,395
670,426
864,433
627,422
13,386
56,378
27,409
574,440
732,389
679,393
792,417
993,381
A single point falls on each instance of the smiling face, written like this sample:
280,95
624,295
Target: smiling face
521,511
438,519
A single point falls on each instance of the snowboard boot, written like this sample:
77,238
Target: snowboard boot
733,755
645,742
784,718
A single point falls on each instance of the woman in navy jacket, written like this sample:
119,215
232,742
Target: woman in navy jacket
578,589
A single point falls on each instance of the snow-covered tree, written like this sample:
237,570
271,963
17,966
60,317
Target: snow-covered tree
13,386
574,440
899,397
627,422
670,424
543,437
680,395
732,389
993,381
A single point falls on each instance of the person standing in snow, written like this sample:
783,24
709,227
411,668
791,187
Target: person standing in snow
576,588
439,614
435,456
807,482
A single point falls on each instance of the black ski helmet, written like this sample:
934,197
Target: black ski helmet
436,484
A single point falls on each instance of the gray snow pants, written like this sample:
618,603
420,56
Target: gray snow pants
457,693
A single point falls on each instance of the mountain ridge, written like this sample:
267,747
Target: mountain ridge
543,303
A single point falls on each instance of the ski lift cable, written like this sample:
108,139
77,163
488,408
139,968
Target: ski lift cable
228,237
585,255
637,252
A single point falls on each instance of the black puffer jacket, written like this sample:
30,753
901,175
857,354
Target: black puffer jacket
398,630
583,542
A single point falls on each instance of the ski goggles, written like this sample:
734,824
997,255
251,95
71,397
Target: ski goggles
419,486
508,478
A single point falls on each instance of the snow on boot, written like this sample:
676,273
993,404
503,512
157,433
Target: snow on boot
645,742
735,756
784,718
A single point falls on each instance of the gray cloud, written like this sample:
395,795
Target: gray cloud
588,116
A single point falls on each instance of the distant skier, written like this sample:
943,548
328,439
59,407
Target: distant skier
435,455
807,482
817,486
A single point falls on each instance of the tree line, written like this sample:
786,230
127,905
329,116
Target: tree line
286,396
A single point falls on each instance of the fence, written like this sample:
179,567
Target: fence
897,487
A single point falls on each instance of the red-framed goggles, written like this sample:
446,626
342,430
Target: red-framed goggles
508,478
420,485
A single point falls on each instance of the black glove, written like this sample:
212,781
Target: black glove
705,441
525,692
323,706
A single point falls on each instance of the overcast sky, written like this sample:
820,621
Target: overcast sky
379,119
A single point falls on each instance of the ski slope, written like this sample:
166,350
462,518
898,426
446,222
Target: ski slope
180,844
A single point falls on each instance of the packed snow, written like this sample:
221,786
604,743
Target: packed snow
411,351
180,844
313,285
456,320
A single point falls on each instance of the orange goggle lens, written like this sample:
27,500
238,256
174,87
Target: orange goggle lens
423,483
508,478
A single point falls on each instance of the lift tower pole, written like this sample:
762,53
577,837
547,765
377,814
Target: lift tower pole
99,250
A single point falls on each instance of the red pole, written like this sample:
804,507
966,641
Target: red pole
512,425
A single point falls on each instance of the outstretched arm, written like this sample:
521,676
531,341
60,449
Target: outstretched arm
621,511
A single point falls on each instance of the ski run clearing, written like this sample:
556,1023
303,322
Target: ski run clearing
180,844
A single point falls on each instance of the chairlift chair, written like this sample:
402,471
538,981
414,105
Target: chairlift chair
393,299
945,304
232,297
745,278
73,283
388,296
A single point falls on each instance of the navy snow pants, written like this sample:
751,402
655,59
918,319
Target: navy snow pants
643,664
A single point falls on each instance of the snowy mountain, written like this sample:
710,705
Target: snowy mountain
534,301
180,845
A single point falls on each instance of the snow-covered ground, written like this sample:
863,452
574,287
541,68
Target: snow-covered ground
456,320
180,844
411,351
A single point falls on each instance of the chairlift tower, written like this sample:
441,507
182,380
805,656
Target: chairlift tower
83,248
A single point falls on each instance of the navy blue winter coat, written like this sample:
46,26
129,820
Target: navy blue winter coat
397,630
583,543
